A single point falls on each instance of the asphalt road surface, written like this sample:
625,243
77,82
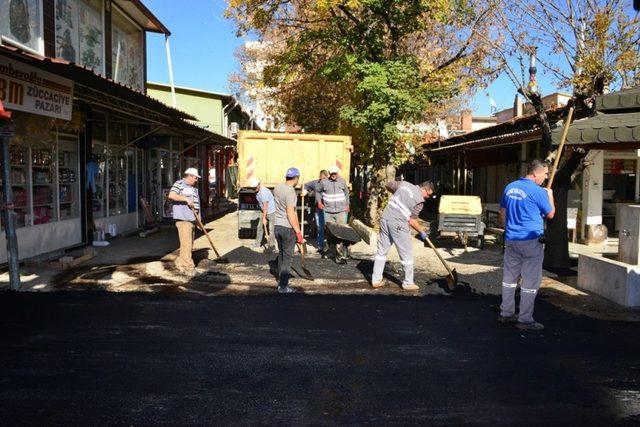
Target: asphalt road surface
139,359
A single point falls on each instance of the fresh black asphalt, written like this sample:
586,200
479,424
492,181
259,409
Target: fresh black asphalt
81,358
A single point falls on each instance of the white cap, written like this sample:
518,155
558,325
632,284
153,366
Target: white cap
254,182
333,169
192,171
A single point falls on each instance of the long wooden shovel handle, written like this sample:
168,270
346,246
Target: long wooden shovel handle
199,222
439,256
556,161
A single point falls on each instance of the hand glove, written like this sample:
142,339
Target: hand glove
304,192
320,205
423,235
299,238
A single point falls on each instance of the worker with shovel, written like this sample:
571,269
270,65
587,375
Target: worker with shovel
267,219
287,227
400,214
523,207
184,195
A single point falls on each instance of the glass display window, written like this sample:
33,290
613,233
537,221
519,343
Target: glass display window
68,183
21,23
43,182
96,179
131,180
20,180
117,180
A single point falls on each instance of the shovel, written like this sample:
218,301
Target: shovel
452,278
267,236
302,247
219,259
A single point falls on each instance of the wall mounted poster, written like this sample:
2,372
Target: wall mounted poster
91,40
20,22
67,30
127,54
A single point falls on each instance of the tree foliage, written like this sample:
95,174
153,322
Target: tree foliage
589,46
366,66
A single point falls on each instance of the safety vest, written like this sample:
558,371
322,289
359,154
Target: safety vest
406,197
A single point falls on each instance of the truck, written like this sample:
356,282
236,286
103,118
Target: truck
267,156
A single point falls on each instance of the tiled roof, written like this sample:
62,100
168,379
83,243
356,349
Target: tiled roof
603,128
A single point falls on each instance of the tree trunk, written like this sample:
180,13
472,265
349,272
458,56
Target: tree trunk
556,251
377,192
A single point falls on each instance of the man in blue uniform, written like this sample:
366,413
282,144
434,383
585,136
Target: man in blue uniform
523,207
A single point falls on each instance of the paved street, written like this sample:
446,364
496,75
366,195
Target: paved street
176,358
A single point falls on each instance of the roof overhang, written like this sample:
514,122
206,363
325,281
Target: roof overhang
610,128
107,94
142,16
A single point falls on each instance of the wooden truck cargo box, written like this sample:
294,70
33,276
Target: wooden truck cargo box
268,155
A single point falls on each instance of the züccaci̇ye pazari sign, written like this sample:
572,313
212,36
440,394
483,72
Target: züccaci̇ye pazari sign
25,88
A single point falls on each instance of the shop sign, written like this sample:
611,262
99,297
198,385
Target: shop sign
26,88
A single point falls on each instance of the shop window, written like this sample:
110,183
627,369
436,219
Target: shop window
79,32
96,179
44,180
43,175
117,187
21,23
127,51
20,182
68,184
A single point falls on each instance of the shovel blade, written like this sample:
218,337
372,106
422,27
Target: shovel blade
452,279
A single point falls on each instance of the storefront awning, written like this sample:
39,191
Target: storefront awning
99,91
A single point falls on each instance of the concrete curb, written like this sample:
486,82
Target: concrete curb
366,233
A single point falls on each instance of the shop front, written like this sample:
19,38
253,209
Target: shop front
44,171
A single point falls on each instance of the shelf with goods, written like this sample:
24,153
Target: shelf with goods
117,167
43,176
68,188
96,178
19,178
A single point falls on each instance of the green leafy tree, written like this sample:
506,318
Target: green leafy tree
366,66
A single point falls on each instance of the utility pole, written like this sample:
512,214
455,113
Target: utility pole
8,213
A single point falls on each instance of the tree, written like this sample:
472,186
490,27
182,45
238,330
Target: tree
368,65
589,46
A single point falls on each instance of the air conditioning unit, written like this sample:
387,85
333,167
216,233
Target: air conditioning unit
233,128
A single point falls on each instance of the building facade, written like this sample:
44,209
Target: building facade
86,141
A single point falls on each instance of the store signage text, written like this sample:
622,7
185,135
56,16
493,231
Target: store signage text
25,88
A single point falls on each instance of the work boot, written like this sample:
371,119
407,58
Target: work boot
530,326
410,287
378,284
508,319
286,290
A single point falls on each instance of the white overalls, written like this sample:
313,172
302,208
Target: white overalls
394,229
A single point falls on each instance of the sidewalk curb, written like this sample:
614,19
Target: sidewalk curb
366,233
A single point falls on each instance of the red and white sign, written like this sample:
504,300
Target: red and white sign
26,88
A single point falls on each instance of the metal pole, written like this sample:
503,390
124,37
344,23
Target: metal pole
173,88
9,218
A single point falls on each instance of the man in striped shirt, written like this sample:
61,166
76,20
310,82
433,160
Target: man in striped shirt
184,195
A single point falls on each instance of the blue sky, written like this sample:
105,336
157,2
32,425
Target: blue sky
203,43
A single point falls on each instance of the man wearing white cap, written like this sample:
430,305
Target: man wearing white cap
184,195
332,196
268,207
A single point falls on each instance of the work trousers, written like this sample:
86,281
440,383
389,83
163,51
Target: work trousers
185,235
286,239
271,218
394,233
522,259
320,228
337,250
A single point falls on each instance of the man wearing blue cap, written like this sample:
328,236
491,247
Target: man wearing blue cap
287,227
